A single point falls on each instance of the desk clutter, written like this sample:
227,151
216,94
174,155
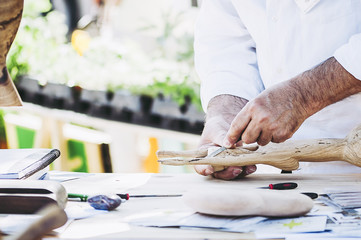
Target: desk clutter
26,163
269,210
226,207
275,209
229,211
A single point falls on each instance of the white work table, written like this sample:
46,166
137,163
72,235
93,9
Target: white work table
114,225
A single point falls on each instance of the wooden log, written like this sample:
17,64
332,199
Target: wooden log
286,155
231,202
10,16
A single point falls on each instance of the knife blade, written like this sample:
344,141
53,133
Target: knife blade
218,151
221,149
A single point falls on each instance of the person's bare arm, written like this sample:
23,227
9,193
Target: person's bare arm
220,112
278,112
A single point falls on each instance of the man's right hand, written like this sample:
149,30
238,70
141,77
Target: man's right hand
220,113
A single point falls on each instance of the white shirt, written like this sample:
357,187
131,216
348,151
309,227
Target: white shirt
245,46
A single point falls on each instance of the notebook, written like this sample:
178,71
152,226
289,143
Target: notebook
26,163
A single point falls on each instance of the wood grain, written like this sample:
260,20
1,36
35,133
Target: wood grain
285,155
187,153
10,17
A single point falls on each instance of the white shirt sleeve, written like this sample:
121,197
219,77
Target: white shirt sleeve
349,55
225,53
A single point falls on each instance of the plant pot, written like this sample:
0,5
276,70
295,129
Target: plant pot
76,102
160,112
101,103
56,95
124,106
30,90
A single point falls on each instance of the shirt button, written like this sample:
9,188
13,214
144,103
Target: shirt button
279,70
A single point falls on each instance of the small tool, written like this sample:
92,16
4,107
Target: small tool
289,185
105,202
281,186
153,195
82,197
101,201
124,196
312,195
221,149
218,151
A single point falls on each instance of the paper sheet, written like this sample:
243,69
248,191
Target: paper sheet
62,176
278,228
172,218
80,210
15,223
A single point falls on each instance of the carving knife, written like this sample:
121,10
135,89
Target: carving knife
221,149
218,151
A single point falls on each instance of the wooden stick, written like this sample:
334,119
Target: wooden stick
200,153
286,155
10,16
52,217
188,153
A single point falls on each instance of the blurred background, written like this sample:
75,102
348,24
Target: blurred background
108,82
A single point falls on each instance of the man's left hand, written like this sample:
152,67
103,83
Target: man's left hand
273,116
276,114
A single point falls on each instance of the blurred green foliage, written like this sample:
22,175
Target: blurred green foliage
42,51
2,127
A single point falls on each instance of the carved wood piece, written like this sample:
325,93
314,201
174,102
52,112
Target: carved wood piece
10,17
286,155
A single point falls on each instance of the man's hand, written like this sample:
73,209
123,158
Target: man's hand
220,113
273,116
276,114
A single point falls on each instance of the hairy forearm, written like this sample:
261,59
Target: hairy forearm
225,106
324,85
